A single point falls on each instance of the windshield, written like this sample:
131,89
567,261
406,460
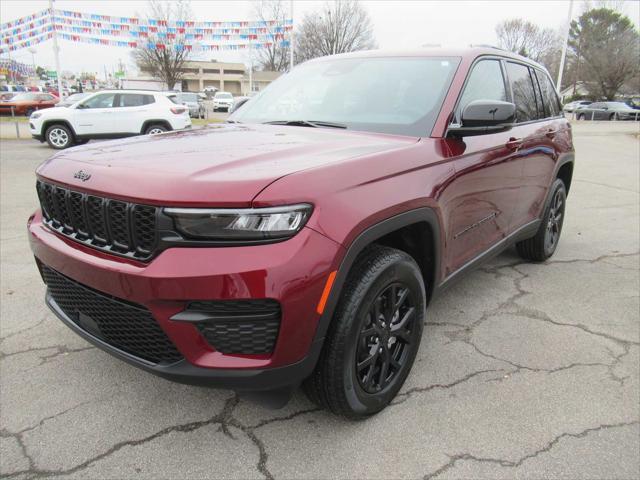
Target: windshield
24,97
189,97
223,95
397,95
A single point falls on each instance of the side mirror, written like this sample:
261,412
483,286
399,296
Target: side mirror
481,117
237,104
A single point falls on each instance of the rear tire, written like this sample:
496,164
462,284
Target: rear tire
374,335
59,137
544,243
155,129
28,112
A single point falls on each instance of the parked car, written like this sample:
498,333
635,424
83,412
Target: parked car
572,106
25,103
73,98
109,114
222,101
607,111
305,245
193,102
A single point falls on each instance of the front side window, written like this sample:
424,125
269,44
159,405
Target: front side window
524,94
396,95
104,100
486,82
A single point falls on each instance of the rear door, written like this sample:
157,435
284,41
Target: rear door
537,124
131,110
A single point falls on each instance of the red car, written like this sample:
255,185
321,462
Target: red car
26,103
303,241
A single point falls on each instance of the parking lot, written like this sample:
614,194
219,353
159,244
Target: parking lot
525,371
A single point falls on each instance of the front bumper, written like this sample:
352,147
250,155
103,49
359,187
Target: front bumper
293,272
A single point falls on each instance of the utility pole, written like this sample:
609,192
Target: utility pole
250,67
56,49
291,40
564,47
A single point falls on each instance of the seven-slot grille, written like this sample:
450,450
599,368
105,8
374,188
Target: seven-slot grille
126,326
119,227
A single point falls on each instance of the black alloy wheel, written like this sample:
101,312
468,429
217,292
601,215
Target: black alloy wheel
385,338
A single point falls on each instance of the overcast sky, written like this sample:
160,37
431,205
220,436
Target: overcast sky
397,24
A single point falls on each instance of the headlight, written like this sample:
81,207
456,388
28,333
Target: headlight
35,115
241,224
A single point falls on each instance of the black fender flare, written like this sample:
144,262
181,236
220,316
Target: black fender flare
366,238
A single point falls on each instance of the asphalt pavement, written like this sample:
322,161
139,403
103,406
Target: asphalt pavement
525,371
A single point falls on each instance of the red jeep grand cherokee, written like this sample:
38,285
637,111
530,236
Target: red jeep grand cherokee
302,241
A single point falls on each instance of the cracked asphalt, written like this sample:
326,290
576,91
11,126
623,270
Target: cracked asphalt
525,370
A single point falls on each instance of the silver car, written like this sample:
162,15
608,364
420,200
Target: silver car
194,102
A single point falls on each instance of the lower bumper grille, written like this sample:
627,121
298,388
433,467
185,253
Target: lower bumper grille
128,327
245,327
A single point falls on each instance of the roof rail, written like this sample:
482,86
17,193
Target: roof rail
485,45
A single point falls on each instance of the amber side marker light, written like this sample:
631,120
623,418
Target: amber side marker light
325,293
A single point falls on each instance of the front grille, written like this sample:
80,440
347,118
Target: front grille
248,327
128,327
123,228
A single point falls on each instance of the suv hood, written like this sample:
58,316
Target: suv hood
222,165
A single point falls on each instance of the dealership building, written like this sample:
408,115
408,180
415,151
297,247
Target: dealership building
224,76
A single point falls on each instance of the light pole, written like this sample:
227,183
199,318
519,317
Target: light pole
291,40
33,59
56,49
564,47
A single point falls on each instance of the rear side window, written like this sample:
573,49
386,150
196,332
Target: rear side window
524,93
549,96
135,99
486,82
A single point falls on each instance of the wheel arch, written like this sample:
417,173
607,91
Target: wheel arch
405,232
49,123
159,121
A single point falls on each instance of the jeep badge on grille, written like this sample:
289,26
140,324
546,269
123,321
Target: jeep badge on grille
82,175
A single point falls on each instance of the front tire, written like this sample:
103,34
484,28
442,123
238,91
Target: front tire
374,335
544,243
59,137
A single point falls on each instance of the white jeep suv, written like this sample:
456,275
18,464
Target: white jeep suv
108,114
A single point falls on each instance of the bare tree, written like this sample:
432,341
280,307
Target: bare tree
164,57
527,39
341,26
276,56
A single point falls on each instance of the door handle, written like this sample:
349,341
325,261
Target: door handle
514,143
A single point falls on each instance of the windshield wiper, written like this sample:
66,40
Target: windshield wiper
307,123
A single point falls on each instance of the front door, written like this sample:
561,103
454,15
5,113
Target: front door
95,115
482,196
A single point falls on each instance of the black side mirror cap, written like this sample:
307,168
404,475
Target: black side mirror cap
481,117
